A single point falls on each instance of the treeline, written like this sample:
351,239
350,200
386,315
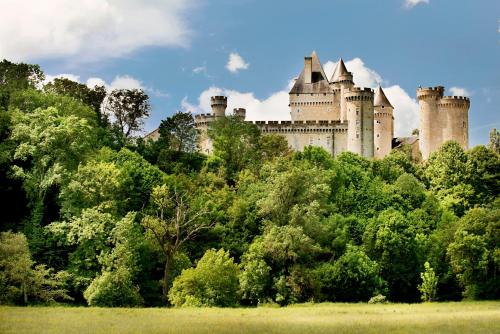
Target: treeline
93,215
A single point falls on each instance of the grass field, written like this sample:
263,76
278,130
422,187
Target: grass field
465,317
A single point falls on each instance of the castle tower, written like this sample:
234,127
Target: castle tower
219,105
359,105
454,111
342,79
431,122
310,97
383,125
240,112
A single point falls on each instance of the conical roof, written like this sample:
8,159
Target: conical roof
380,98
340,70
319,82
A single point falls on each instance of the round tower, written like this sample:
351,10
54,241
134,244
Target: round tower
240,112
455,110
431,124
359,105
383,124
342,79
219,105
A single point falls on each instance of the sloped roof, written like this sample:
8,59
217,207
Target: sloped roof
319,81
340,70
380,98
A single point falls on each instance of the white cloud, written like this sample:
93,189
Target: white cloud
125,82
459,91
236,63
405,110
90,30
49,78
200,69
413,3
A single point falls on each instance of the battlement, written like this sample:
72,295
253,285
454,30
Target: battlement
430,92
359,94
201,119
240,112
218,100
461,102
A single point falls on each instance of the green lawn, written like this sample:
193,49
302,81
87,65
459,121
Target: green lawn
465,317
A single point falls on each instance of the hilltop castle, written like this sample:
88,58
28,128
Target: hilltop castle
337,116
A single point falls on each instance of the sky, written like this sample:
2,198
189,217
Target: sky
183,51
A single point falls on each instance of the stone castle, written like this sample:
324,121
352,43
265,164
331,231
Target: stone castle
337,116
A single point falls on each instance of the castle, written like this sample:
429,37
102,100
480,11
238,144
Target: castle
337,116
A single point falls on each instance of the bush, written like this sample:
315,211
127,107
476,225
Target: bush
113,288
378,299
214,282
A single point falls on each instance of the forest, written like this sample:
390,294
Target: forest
92,214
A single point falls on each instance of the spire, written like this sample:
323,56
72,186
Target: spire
380,98
340,70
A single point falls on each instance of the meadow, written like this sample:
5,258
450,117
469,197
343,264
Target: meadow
462,317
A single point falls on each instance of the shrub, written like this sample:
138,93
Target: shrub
113,288
214,282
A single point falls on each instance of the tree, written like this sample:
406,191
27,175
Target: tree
49,146
173,223
446,174
129,107
17,77
236,143
178,133
352,278
475,254
273,146
93,97
214,282
428,287
483,174
19,281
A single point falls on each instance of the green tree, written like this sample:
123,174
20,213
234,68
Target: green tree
273,146
17,77
428,287
128,107
475,254
214,282
49,147
19,281
93,97
446,173
178,133
235,142
173,223
352,278
483,174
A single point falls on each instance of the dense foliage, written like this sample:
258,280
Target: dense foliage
96,215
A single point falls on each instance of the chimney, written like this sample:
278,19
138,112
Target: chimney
307,70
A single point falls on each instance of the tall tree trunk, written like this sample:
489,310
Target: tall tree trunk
166,276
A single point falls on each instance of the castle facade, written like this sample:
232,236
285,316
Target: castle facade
337,116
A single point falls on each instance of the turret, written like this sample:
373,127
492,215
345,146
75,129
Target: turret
219,105
454,111
359,105
342,79
431,124
240,112
383,125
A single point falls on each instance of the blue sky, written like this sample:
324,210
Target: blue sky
179,50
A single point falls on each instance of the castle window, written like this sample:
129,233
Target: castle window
357,135
378,148
378,135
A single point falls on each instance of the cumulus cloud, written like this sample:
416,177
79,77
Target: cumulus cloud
275,106
459,91
236,63
49,78
413,3
90,29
